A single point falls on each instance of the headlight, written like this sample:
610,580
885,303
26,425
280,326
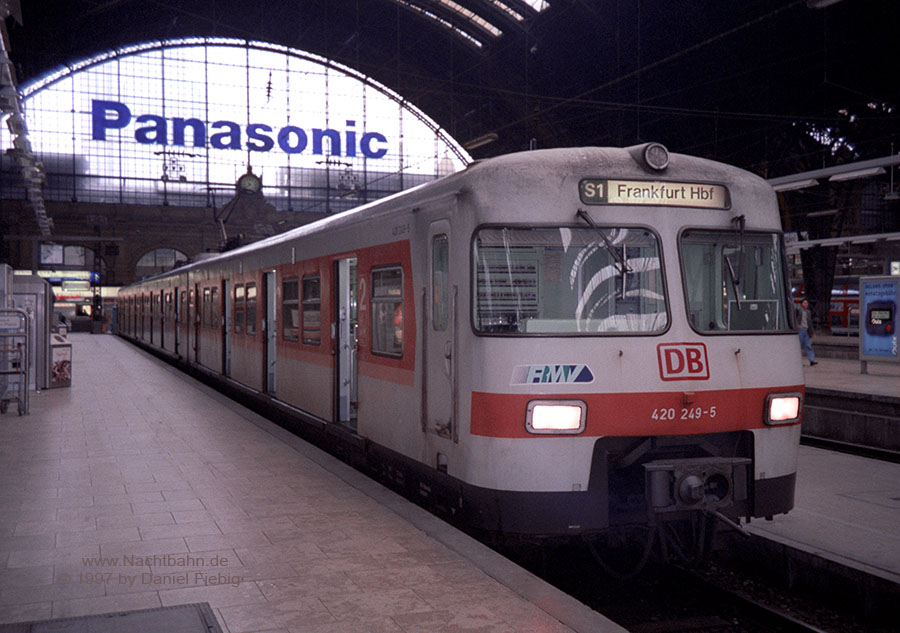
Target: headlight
782,408
556,416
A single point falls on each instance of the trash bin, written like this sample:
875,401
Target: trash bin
60,361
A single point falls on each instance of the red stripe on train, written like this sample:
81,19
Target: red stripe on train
628,414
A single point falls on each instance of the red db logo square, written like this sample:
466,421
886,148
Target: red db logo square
683,361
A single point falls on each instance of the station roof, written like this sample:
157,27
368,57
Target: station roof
723,80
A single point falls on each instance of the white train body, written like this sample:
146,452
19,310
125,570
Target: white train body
552,342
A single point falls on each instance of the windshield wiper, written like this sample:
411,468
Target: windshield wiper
735,284
609,247
740,221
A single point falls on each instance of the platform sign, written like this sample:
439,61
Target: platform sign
878,319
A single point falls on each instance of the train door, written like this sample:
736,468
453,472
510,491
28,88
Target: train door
179,314
152,317
195,317
345,340
163,319
143,316
226,327
439,365
270,332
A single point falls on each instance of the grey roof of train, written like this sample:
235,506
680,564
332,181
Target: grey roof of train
625,162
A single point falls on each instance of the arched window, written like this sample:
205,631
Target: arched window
157,261
171,122
70,257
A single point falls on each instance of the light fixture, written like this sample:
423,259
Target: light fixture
556,416
480,141
859,173
656,156
822,214
782,408
797,184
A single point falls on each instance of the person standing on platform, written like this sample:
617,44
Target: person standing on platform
804,325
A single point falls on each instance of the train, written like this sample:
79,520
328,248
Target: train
569,342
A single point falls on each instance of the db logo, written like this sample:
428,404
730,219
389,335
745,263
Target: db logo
682,361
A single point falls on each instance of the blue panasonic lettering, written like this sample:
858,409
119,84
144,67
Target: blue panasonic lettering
260,137
334,142
365,145
255,133
151,134
226,140
179,126
99,121
351,139
284,139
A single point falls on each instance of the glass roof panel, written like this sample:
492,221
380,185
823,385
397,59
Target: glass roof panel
470,15
445,23
537,5
508,10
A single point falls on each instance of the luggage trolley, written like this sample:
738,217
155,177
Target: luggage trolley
14,359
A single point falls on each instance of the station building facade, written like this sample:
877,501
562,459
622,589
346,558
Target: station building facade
152,154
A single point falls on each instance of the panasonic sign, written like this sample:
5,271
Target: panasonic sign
154,129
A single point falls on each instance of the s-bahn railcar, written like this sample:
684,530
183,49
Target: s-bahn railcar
555,342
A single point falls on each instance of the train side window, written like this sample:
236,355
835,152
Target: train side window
290,309
213,307
387,311
251,308
440,272
312,309
205,320
239,308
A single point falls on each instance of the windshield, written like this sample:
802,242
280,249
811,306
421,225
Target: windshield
734,281
567,281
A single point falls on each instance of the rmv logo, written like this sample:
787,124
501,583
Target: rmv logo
683,361
534,374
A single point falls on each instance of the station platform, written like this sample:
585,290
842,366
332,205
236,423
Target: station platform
843,534
843,404
846,515
139,488
837,368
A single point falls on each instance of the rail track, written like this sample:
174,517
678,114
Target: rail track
707,598
850,448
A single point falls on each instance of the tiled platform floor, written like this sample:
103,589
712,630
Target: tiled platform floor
138,487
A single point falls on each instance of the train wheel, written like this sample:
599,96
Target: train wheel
632,566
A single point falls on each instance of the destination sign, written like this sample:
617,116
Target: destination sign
655,193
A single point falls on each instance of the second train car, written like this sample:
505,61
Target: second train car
554,342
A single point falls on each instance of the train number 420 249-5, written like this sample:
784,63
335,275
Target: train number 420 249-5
684,413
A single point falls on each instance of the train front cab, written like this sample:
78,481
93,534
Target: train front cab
637,366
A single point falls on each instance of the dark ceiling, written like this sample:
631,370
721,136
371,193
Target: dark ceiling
726,80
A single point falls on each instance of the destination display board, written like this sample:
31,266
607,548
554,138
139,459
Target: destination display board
654,193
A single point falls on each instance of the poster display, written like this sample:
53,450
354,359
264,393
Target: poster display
878,338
